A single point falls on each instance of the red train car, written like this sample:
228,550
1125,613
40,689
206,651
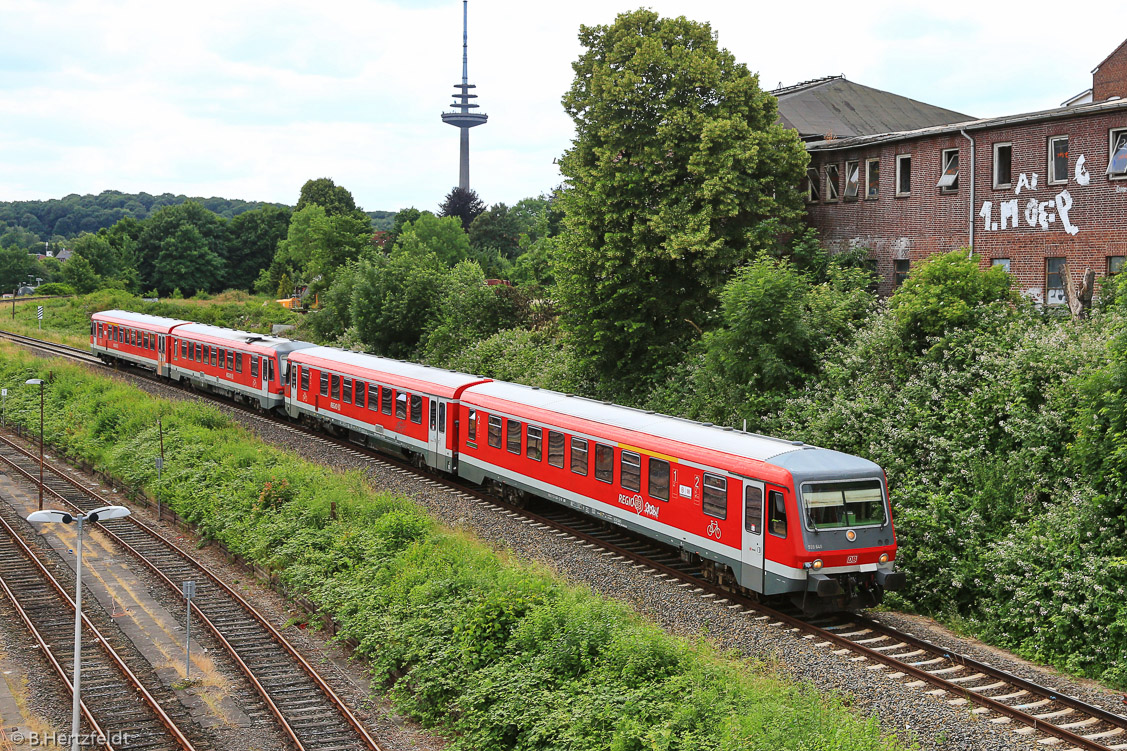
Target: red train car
773,516
383,402
133,337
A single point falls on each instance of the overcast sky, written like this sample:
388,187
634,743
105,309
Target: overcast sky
250,98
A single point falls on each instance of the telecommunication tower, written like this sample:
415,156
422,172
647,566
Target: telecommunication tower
463,118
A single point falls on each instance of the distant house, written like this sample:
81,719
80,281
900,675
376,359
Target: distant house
64,254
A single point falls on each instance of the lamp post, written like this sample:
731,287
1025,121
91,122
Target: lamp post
39,382
98,514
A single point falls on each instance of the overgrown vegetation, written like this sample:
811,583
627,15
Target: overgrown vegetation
496,652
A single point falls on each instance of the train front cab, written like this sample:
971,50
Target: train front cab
831,546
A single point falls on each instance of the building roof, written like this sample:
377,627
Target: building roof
1056,113
833,105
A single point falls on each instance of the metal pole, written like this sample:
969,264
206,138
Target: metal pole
40,446
188,639
77,642
160,466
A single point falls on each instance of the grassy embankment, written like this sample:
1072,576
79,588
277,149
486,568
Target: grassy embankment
496,652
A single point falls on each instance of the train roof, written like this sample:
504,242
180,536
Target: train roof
696,440
141,320
219,335
412,376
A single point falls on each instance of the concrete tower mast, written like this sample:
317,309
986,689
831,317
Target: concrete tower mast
462,117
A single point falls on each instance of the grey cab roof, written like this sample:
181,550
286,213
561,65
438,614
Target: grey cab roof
783,453
142,318
834,105
243,337
448,378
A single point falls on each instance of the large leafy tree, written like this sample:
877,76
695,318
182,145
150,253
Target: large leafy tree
166,222
442,236
334,199
463,203
678,173
316,245
253,237
186,262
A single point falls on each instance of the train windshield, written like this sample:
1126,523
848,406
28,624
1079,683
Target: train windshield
843,504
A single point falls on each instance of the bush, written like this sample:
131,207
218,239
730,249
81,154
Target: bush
54,288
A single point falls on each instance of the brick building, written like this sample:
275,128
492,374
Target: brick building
1030,192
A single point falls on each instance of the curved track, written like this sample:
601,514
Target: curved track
1000,697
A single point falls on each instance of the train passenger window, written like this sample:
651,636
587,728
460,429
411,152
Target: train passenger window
254,370
373,397
579,456
658,482
471,429
535,443
346,390
442,417
385,400
401,405
238,362
361,392
145,340
183,349
512,436
270,371
324,383
293,377
222,358
555,449
630,470
715,496
604,463
433,415
214,351
495,431
753,510
334,387
416,409
776,514
230,359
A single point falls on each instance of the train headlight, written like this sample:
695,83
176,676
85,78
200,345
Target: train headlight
817,564
884,557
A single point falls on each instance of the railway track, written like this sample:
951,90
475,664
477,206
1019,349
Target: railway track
301,701
1058,721
121,710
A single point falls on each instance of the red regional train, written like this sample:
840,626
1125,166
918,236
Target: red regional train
772,516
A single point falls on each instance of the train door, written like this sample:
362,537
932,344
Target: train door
753,558
435,433
161,354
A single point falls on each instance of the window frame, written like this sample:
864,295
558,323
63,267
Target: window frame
539,443
553,435
900,160
471,424
604,463
1051,166
704,496
1108,271
945,157
324,383
374,404
899,276
872,179
417,409
852,187
999,185
772,507
1060,278
833,192
630,468
334,386
1112,135
401,400
580,452
757,527
238,362
514,432
494,431
651,463
346,390
1003,262
387,400
813,185
230,360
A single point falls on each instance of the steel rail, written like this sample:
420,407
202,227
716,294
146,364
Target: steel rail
148,698
278,638
63,350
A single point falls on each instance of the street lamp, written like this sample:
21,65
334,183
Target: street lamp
98,514
38,382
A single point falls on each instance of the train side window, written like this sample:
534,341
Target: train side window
238,362
753,510
254,369
604,463
433,415
416,409
555,449
401,405
270,370
442,417
658,482
776,514
133,337
145,340
324,383
715,496
334,387
183,349
471,425
579,456
495,431
214,351
373,397
361,392
512,436
535,443
230,359
385,400
222,358
346,391
630,470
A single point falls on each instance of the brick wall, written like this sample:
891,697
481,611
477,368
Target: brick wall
930,220
1110,79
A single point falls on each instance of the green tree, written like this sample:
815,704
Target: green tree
186,262
946,292
316,245
679,172
15,264
498,228
323,192
442,236
394,299
462,203
253,238
169,220
79,274
468,311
